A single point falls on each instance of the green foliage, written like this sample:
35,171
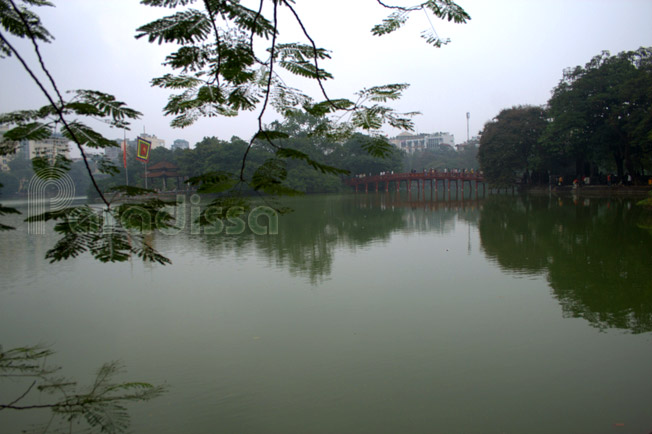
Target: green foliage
601,115
187,26
4,210
21,21
101,105
354,155
108,235
390,24
509,145
298,155
101,405
44,168
269,178
443,9
106,166
378,147
647,202
30,131
213,182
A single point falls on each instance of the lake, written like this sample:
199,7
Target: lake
364,314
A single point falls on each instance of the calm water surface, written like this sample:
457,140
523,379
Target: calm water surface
365,314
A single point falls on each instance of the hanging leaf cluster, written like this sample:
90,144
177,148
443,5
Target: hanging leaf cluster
113,235
102,405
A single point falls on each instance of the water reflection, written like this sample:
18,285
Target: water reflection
309,237
592,251
596,259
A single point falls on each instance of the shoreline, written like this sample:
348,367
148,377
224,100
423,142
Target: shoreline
594,190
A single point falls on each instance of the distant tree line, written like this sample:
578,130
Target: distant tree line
15,181
598,122
213,155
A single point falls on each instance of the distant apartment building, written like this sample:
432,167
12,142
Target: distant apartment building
156,142
420,142
5,159
29,149
114,153
180,144
50,148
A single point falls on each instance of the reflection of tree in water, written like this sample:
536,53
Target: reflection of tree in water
509,237
308,237
597,260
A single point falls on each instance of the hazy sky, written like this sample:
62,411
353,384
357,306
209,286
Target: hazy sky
510,53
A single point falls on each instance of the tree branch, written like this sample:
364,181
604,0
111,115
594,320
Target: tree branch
315,56
211,15
400,8
58,109
21,396
267,92
253,26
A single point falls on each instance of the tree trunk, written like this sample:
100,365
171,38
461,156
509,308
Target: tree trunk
619,166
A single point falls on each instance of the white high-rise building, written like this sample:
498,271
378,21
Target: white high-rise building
156,142
49,148
420,142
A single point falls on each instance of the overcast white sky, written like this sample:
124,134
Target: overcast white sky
511,52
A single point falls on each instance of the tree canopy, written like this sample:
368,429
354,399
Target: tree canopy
597,121
508,145
601,114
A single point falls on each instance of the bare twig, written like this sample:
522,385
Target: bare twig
37,50
267,92
314,57
27,407
21,396
253,26
217,40
400,8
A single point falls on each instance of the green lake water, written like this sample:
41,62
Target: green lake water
364,314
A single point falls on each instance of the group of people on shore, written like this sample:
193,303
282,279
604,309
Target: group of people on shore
609,180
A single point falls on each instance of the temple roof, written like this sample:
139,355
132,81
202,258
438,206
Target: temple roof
162,165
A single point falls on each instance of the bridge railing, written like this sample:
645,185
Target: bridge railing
419,175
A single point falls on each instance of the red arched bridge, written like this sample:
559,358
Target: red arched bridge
433,177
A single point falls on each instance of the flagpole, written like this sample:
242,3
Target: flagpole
144,133
124,131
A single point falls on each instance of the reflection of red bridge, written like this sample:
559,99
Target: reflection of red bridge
421,179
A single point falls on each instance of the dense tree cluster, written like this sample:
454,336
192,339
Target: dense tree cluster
598,121
212,155
509,144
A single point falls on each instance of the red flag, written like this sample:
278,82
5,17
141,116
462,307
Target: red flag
124,153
